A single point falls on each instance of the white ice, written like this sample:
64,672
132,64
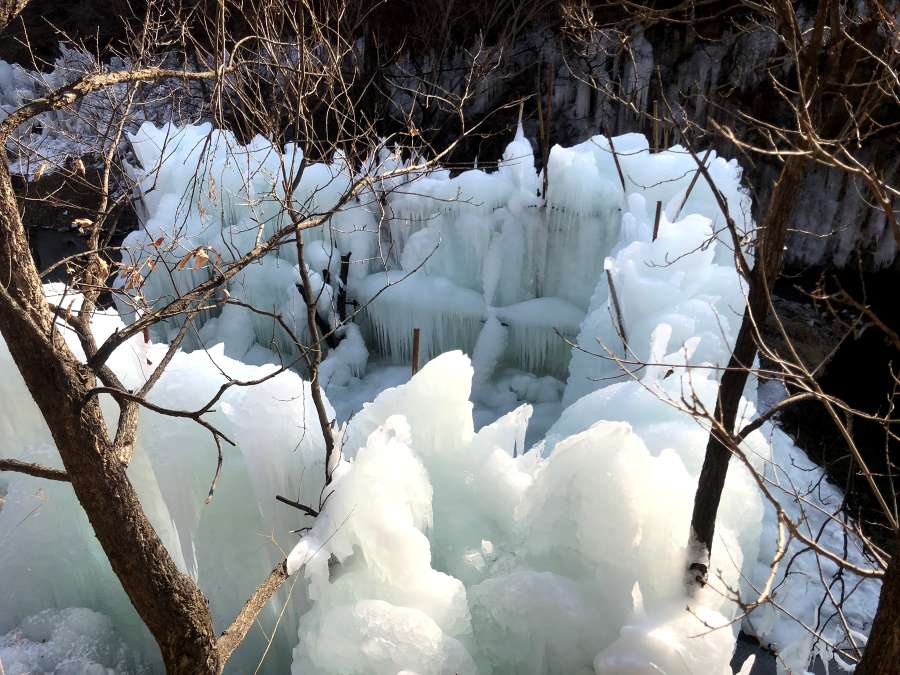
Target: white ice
525,511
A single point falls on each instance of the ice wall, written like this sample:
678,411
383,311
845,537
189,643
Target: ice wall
448,254
204,192
665,71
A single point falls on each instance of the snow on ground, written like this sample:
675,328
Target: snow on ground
524,509
71,641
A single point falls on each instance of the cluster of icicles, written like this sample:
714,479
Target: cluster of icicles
444,254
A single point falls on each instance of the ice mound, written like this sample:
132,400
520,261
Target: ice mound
668,644
373,637
685,279
442,550
71,641
450,255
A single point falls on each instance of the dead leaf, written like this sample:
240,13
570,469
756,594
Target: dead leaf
184,261
201,257
82,224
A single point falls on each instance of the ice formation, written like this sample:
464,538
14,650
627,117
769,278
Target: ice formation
51,140
684,280
439,552
448,545
450,255
442,549
228,545
51,137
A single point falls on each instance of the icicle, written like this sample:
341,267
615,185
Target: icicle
489,348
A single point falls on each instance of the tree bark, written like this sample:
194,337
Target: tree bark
715,464
10,9
882,653
168,601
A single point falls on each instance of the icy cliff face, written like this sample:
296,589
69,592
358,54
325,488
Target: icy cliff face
704,80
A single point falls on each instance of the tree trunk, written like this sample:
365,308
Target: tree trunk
769,252
169,602
882,652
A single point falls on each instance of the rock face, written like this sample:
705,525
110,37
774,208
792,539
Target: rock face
674,70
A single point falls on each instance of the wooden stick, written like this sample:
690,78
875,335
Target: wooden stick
544,123
655,125
324,329
415,351
693,182
618,310
616,160
656,220
342,289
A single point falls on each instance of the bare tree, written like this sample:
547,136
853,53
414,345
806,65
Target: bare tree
825,131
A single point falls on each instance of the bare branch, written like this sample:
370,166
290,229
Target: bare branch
231,637
36,470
